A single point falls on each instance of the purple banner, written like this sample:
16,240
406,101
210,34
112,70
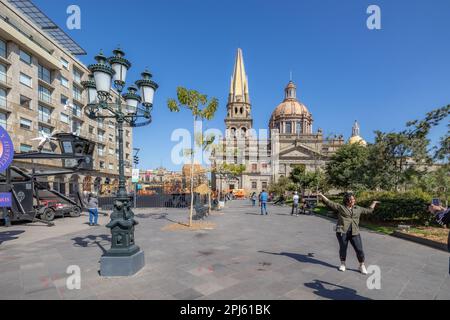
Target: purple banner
5,200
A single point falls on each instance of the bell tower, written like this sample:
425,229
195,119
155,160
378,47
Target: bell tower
239,107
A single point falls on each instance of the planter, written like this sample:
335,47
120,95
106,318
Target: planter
423,241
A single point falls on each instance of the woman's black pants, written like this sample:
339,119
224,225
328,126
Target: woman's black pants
344,239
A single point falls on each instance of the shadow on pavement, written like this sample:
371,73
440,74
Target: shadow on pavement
309,258
91,241
9,235
340,293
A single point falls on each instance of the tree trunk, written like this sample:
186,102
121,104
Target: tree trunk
192,179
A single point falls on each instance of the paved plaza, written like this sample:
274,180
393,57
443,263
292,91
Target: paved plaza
245,256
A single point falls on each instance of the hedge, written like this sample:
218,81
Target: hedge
395,206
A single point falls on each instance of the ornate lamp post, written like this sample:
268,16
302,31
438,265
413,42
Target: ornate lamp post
125,257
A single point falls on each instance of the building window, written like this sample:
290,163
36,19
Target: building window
25,148
111,124
45,94
111,166
299,127
76,110
111,151
288,127
44,74
111,138
44,131
91,129
100,122
100,135
64,100
254,185
264,165
64,82
264,185
127,144
2,49
3,120
64,63
254,167
102,165
77,75
25,123
64,118
44,114
25,57
2,98
3,77
25,102
77,93
25,80
76,127
101,150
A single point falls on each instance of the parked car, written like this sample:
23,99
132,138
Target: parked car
51,208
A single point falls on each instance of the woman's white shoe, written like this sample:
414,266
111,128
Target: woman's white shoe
342,268
362,269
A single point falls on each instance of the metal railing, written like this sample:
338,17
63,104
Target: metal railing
182,200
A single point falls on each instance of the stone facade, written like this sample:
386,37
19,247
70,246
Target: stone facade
41,93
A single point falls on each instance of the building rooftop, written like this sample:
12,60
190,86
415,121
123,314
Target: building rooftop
48,26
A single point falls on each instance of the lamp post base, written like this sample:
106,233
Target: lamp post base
122,266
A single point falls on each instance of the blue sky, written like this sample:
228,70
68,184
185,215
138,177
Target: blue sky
343,71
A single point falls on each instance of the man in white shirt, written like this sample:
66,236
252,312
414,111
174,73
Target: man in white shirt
296,200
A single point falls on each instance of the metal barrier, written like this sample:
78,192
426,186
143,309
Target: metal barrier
158,201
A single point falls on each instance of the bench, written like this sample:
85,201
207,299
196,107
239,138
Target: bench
200,212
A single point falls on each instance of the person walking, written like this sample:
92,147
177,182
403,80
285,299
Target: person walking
347,229
295,203
93,210
253,198
264,196
442,216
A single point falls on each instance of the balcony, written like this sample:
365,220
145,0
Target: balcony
77,114
46,83
5,81
78,98
46,121
6,105
47,100
4,58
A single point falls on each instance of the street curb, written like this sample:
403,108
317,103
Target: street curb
422,241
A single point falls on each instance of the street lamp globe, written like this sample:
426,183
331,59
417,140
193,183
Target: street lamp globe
132,100
89,85
103,74
148,88
120,65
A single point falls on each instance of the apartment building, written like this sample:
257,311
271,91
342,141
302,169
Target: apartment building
41,94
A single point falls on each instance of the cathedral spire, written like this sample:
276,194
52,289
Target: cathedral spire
355,129
239,81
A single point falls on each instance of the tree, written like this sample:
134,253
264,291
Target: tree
281,186
346,169
201,108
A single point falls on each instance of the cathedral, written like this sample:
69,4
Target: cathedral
290,139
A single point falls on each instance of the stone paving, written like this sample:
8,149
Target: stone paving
246,256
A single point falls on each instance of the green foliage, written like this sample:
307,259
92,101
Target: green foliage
230,170
347,167
193,100
284,184
397,206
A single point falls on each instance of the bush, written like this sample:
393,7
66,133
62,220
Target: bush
395,206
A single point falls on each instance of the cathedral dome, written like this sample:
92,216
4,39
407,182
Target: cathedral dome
291,116
356,138
290,107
